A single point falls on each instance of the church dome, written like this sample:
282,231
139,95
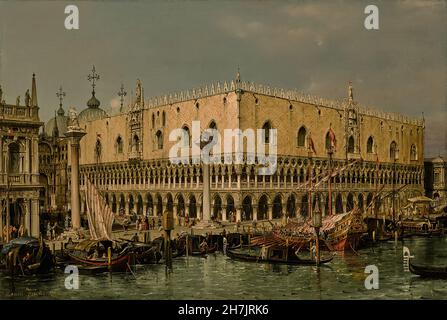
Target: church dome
93,110
61,120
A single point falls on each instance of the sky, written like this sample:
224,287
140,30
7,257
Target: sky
316,47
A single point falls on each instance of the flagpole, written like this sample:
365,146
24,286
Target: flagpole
330,182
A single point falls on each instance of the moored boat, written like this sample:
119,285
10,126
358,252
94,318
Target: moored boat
27,256
272,254
95,253
428,271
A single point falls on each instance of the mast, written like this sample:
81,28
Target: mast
310,183
330,182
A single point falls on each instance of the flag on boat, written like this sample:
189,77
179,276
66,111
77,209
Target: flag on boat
100,215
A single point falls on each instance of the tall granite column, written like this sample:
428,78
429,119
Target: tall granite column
75,135
206,193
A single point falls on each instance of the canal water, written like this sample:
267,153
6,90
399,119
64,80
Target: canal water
218,277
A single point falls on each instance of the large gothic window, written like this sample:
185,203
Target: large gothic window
393,151
301,139
266,129
14,158
119,145
186,137
159,139
370,145
136,143
413,152
351,144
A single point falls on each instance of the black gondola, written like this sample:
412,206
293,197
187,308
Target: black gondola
27,256
428,271
272,254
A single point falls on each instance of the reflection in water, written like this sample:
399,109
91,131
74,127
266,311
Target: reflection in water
218,277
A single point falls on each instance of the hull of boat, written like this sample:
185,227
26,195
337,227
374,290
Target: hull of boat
253,258
428,272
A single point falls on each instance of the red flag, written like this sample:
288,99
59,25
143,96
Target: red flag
310,144
332,138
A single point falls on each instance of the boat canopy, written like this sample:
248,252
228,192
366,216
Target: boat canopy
18,242
86,245
420,199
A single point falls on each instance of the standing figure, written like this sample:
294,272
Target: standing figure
27,98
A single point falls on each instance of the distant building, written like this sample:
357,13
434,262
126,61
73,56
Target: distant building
436,177
19,162
53,164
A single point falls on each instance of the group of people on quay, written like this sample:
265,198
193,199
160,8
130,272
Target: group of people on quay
13,232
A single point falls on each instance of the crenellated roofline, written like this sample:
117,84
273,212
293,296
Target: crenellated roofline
288,94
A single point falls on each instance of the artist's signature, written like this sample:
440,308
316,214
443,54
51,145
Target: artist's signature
29,293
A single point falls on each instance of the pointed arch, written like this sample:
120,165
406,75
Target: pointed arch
159,140
301,137
394,154
266,130
370,145
351,144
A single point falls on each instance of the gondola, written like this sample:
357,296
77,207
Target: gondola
144,253
272,254
27,256
81,255
428,271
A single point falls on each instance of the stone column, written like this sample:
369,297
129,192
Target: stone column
35,223
206,193
35,160
127,206
27,223
270,211
75,136
224,213
255,212
238,213
187,213
176,220
1,165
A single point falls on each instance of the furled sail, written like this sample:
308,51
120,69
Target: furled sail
100,215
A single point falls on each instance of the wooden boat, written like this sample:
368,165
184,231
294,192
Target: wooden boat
418,226
27,256
339,232
144,253
272,254
94,253
194,246
428,271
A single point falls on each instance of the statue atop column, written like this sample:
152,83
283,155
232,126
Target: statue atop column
138,91
27,98
350,93
18,101
73,122
1,93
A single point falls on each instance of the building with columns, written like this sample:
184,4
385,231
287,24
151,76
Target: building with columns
436,178
53,164
126,155
19,162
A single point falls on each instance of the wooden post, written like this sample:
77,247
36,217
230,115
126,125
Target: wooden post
187,245
109,255
317,245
